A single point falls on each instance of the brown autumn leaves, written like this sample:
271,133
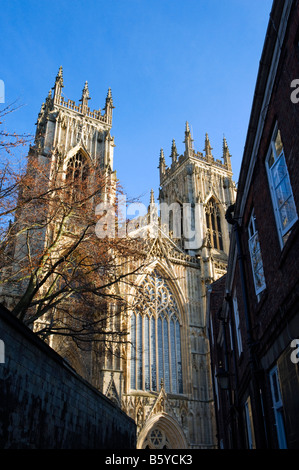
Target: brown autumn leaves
57,276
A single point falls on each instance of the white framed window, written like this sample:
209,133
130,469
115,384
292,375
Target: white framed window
237,324
256,256
249,424
280,186
278,408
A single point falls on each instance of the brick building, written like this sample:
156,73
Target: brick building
254,310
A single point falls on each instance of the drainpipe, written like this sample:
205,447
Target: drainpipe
252,357
235,407
223,321
236,228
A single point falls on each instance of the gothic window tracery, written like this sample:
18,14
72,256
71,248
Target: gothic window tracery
214,232
156,439
156,338
76,174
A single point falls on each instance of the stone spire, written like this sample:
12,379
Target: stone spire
152,210
162,164
188,140
49,101
49,97
109,106
58,86
174,153
208,148
152,200
85,97
226,155
42,120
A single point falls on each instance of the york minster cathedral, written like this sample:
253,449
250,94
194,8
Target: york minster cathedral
163,381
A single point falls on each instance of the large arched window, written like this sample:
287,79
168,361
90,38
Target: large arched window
214,233
156,338
76,174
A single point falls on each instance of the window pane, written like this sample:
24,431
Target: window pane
213,222
259,279
278,408
133,352
160,350
275,388
139,352
287,212
279,170
237,325
166,356
278,144
283,191
179,359
146,353
153,353
257,263
256,258
249,424
157,349
174,378
271,159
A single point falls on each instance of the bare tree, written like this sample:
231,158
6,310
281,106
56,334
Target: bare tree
10,173
56,273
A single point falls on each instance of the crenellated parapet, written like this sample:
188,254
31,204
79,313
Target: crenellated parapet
63,125
83,107
203,182
190,154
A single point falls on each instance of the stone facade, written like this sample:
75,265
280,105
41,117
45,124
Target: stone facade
163,380
69,128
190,262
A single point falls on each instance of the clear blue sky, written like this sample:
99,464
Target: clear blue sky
166,61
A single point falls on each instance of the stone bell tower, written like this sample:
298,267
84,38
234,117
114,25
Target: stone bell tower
69,128
199,189
71,134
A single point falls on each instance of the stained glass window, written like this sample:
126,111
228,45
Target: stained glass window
156,339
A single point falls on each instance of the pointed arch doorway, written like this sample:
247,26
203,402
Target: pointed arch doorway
161,432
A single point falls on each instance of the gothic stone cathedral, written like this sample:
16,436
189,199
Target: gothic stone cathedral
164,383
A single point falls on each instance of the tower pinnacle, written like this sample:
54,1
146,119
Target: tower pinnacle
174,153
85,98
152,199
226,155
188,140
58,85
208,148
162,164
109,106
